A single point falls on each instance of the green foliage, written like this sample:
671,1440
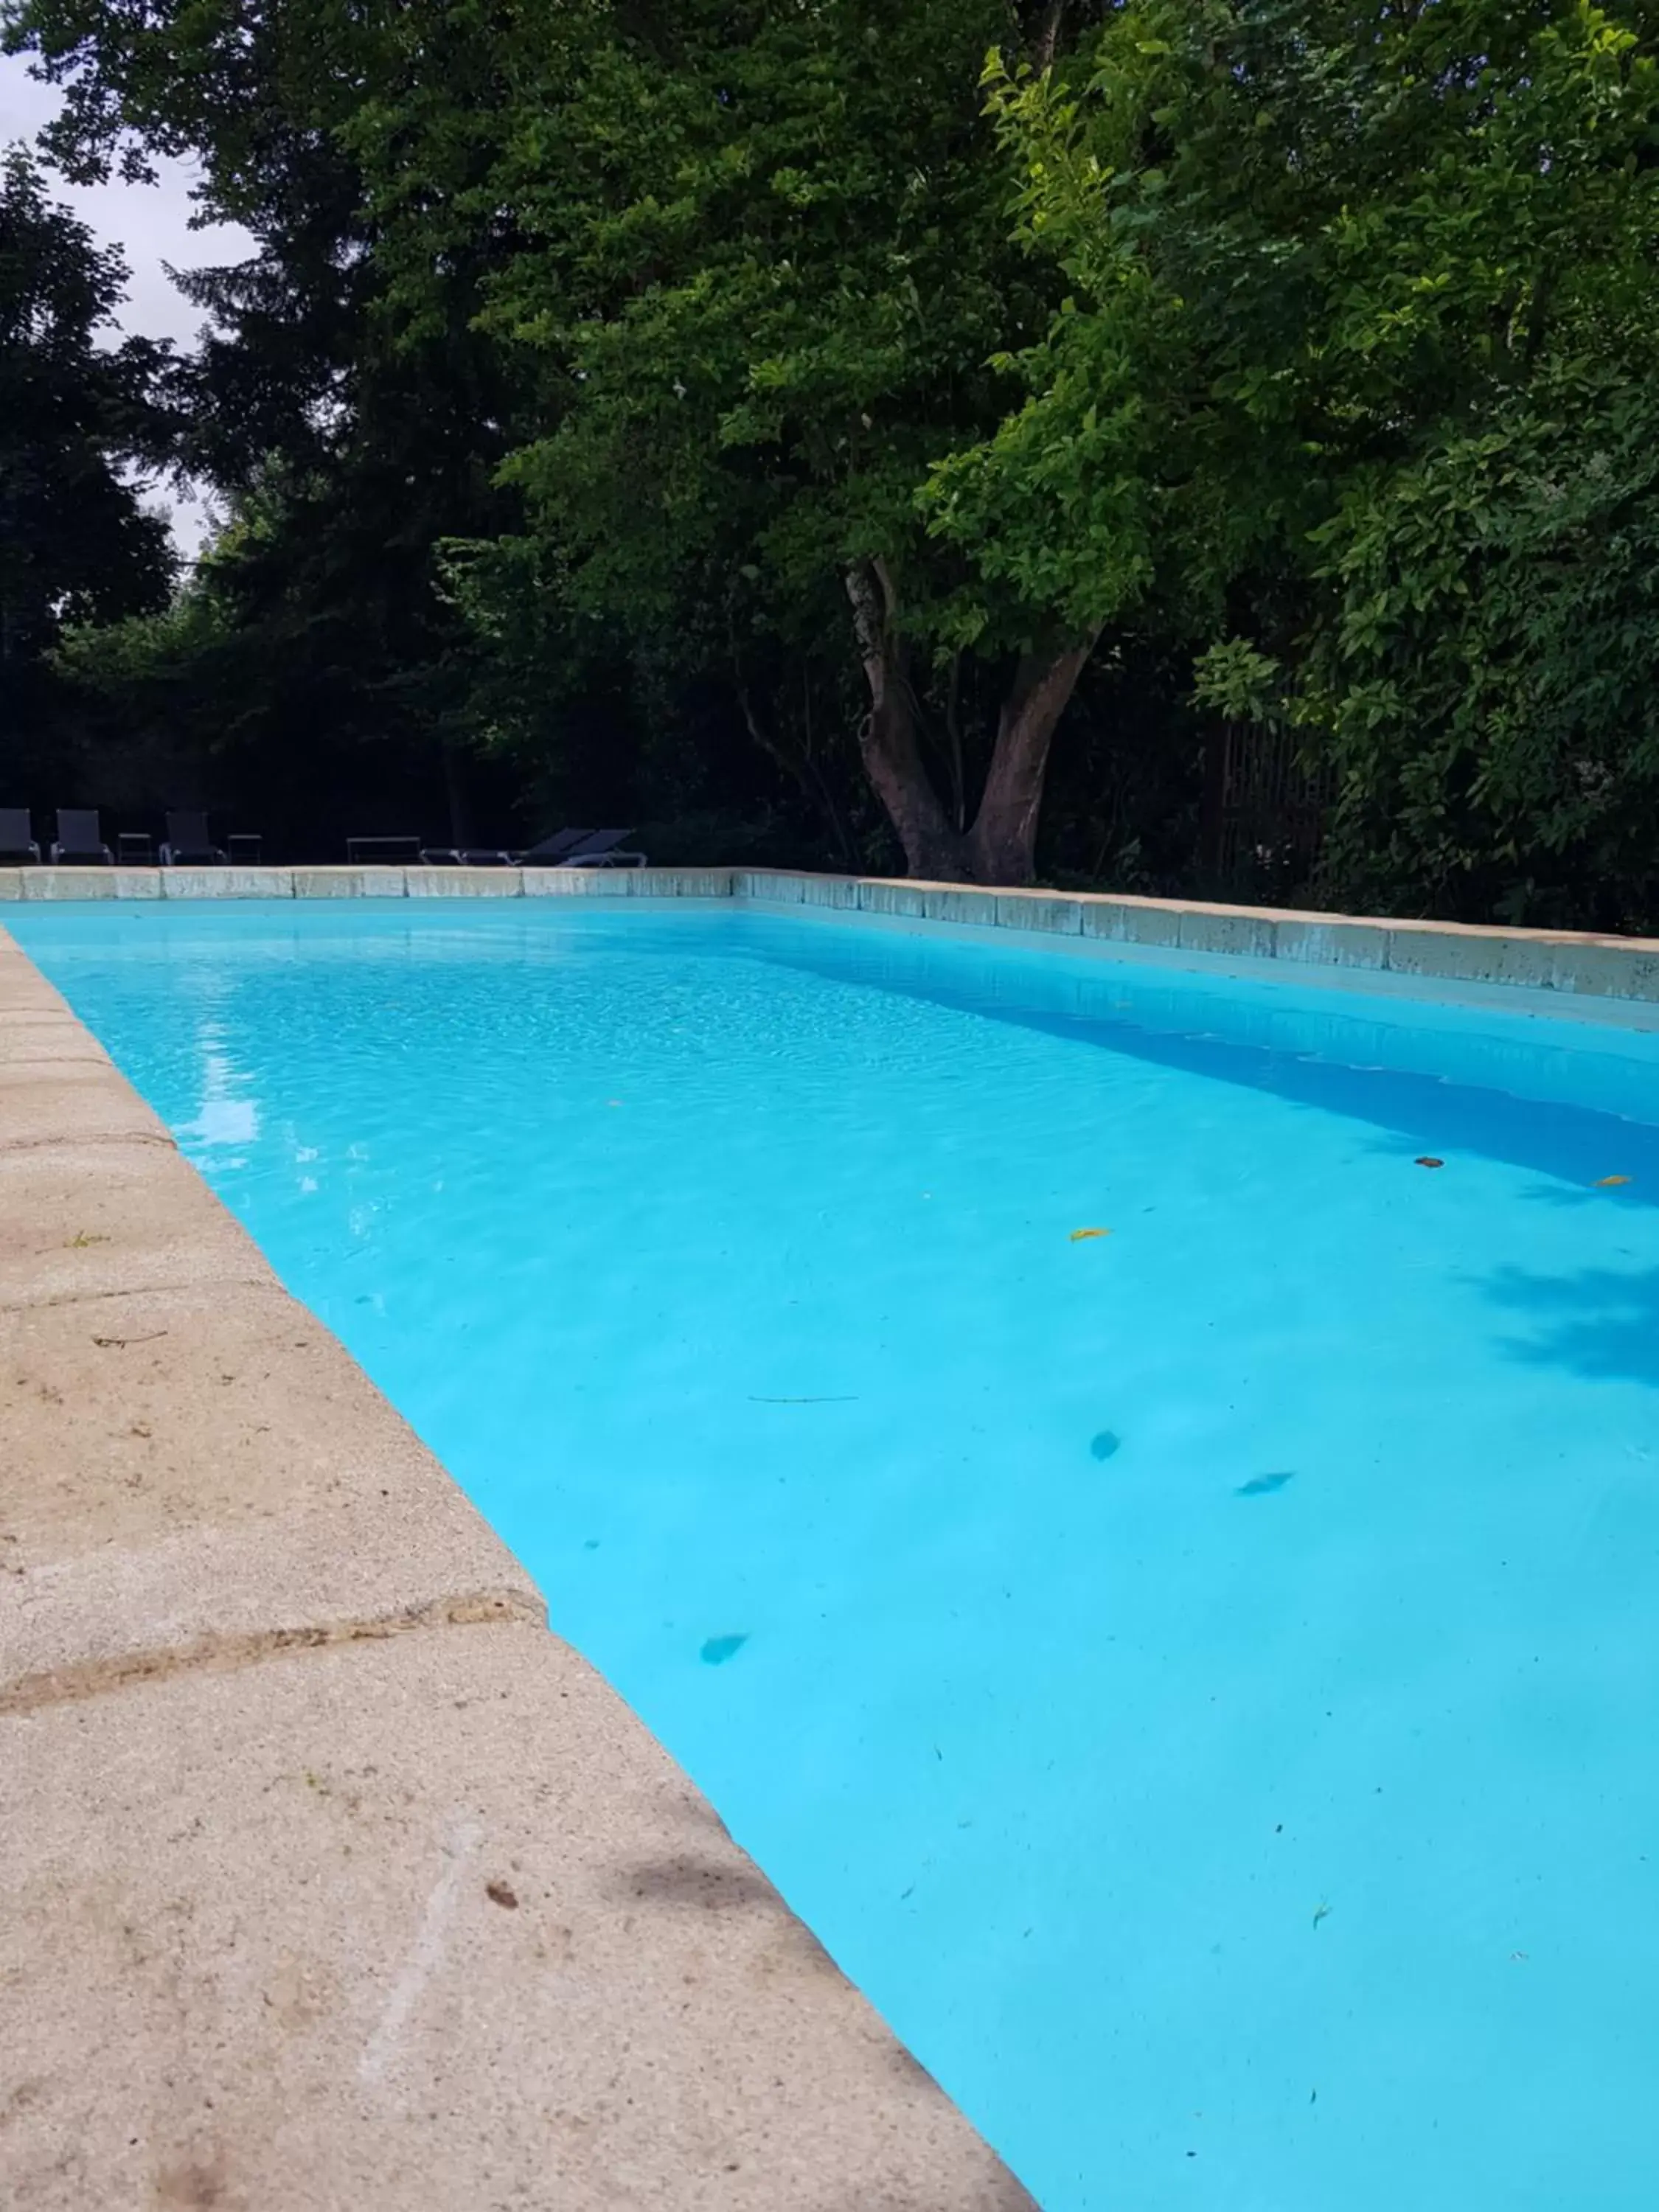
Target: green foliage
1348,390
77,543
595,351
1240,683
1485,680
334,695
762,261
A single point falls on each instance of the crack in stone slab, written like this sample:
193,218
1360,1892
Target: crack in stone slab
76,1141
53,1059
221,1654
63,1298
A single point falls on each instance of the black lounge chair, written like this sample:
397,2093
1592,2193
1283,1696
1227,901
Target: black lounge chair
187,844
17,847
583,848
463,856
80,840
551,853
603,850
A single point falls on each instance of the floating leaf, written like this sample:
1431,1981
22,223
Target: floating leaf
1611,1182
1263,1486
1081,1236
1428,1160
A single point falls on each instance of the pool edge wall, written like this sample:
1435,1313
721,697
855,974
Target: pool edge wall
1315,946
330,1875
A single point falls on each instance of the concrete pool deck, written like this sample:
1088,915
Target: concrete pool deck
328,1876
1359,948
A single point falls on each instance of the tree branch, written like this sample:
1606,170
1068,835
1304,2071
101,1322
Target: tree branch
1045,41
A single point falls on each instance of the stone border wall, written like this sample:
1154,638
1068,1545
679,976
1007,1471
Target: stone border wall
1436,951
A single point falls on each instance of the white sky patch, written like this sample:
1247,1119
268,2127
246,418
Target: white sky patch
151,225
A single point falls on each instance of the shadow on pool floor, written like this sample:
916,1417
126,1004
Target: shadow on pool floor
1599,1322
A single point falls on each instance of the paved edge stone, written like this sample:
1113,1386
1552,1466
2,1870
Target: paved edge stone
308,1898
426,1924
1575,962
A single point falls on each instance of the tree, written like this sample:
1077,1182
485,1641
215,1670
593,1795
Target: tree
660,395
761,258
77,418
1349,389
347,451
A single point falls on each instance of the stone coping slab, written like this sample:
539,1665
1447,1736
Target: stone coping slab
423,1925
1580,962
328,1876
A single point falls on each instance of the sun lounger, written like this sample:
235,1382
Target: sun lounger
80,840
17,847
187,844
583,848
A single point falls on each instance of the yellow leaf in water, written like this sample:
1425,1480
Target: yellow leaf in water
1078,1235
1611,1183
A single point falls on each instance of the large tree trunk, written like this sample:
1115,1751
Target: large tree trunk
1000,847
887,737
1002,843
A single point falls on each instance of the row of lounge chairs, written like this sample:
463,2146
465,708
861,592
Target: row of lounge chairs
79,844
567,848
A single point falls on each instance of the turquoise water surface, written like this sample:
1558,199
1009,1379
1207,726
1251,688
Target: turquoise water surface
1202,1682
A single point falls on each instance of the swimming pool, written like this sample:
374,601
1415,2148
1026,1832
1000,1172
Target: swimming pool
1198,1680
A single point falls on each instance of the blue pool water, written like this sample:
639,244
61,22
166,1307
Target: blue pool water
1202,1682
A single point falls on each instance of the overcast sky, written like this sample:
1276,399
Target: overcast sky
150,222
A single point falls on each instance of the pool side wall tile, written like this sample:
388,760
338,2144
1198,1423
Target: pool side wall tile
1335,944
227,882
679,883
67,883
1130,921
787,887
1214,929
464,883
1472,956
768,886
349,883
577,882
829,890
11,883
883,895
91,882
1608,970
962,909
916,899
1036,910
